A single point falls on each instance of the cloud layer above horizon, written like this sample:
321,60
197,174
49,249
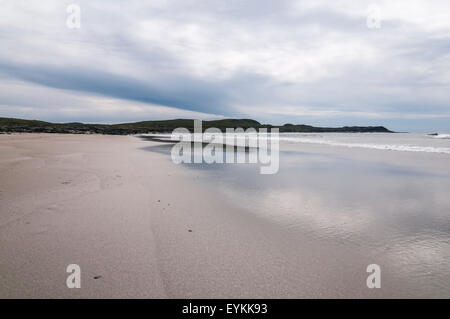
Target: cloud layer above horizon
314,62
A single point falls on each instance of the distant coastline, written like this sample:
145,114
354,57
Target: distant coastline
11,125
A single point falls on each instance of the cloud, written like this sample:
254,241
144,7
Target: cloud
288,61
68,106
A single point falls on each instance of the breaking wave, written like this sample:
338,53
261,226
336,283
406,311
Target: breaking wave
386,147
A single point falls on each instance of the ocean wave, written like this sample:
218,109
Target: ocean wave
446,136
385,147
322,140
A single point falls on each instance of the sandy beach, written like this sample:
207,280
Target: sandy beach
129,216
140,226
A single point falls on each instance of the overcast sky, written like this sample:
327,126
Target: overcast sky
329,63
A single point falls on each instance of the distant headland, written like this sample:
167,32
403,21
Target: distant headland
10,125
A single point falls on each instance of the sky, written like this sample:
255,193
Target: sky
326,63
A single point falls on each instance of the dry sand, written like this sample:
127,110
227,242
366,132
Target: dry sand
146,226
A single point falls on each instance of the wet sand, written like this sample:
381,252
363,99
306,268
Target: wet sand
141,227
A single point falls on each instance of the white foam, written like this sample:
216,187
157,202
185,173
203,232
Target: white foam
441,136
385,147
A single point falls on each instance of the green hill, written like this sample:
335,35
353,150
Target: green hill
166,126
